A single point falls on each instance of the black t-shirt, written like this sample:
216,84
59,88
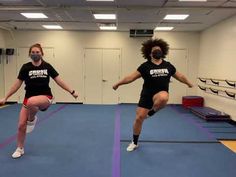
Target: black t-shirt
156,77
37,78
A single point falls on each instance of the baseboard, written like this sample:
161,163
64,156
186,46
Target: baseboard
69,102
11,102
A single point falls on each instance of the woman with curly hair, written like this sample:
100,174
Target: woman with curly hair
156,73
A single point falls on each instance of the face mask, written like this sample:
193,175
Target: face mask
157,54
35,57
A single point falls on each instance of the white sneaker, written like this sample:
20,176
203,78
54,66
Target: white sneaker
132,147
31,125
18,153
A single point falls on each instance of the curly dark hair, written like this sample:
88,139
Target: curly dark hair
149,44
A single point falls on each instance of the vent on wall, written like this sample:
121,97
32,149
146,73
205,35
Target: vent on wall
141,33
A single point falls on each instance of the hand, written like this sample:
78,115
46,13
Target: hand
75,95
3,101
115,86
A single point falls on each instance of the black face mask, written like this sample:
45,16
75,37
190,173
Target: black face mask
157,54
35,57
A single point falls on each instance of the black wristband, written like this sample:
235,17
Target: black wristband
72,92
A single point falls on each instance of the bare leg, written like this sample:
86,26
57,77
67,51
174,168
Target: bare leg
22,127
160,99
33,105
141,114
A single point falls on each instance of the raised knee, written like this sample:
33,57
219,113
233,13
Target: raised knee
30,102
163,98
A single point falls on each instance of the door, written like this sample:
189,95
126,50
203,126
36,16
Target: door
178,57
23,57
110,70
93,76
101,71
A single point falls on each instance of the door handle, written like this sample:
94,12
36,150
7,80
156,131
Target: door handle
103,80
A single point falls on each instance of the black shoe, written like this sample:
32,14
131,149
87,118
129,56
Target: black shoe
151,113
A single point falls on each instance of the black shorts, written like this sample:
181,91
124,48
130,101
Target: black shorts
146,101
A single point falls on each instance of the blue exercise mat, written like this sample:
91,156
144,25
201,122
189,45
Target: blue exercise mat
210,114
174,159
166,125
69,140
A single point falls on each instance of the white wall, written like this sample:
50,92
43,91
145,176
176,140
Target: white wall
217,60
69,53
2,45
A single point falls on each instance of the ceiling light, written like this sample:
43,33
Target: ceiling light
34,15
163,28
101,0
52,26
193,0
105,16
108,27
176,17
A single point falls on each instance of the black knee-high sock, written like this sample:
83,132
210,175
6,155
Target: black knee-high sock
135,139
151,112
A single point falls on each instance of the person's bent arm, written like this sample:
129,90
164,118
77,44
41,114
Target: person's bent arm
12,90
63,85
180,77
128,79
